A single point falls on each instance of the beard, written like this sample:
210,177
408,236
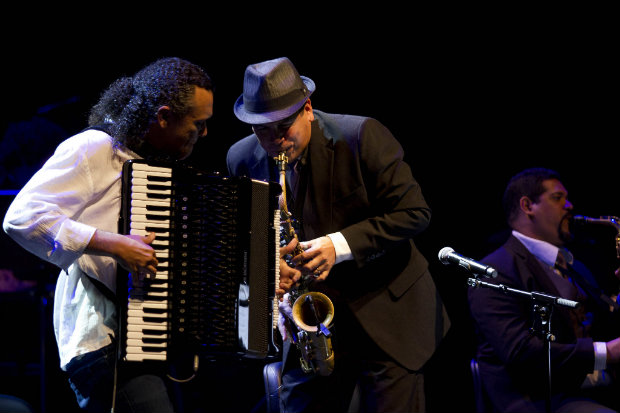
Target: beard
566,236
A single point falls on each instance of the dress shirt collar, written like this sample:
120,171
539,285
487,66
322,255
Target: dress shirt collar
544,251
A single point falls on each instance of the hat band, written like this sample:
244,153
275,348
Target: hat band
279,103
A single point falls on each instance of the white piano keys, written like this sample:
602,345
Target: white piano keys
139,335
152,170
143,181
138,343
276,301
151,294
163,327
141,203
141,314
134,354
143,189
160,356
140,321
144,211
144,225
143,232
142,346
141,305
144,196
150,208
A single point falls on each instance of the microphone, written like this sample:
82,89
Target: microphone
448,256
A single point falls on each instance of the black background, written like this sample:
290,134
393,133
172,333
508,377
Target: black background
474,96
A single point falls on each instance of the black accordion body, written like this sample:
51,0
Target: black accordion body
217,243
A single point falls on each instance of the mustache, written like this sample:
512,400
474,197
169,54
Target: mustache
568,217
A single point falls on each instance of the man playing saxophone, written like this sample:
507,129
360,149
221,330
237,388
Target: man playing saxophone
519,373
358,209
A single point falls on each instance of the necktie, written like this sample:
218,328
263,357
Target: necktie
292,175
572,291
561,266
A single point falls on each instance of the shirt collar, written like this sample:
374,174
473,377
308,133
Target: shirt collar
544,251
299,162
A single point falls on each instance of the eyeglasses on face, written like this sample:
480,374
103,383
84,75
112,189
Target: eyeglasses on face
278,128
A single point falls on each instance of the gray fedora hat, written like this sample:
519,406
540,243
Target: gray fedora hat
272,90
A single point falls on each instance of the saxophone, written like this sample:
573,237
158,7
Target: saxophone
604,220
312,311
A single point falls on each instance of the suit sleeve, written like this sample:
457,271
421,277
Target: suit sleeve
397,208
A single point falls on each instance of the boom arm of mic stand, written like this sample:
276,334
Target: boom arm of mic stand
535,296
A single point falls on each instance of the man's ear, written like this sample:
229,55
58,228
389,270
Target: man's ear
163,116
525,204
308,107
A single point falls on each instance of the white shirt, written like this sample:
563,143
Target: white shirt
54,216
343,251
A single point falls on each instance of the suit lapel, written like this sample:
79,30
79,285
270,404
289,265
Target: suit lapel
263,167
539,274
318,177
542,282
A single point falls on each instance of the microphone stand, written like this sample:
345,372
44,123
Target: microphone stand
543,308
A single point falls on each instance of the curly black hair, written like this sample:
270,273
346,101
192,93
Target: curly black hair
129,106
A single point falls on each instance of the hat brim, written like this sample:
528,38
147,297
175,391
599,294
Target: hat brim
268,117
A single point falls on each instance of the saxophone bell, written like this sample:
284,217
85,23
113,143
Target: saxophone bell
313,313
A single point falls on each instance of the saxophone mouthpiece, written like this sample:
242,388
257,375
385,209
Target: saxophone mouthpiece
578,220
281,161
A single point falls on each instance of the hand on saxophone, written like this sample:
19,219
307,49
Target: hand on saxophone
288,276
284,317
318,258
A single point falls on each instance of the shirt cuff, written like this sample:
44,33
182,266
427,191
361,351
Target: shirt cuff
343,252
600,355
70,242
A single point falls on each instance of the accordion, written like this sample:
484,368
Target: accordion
217,244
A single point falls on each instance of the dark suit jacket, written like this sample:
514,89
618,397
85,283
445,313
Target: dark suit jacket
511,359
357,183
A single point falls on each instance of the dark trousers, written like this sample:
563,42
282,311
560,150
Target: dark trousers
365,378
91,377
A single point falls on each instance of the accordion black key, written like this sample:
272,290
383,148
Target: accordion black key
217,243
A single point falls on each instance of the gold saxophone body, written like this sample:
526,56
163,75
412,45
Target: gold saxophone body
312,311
